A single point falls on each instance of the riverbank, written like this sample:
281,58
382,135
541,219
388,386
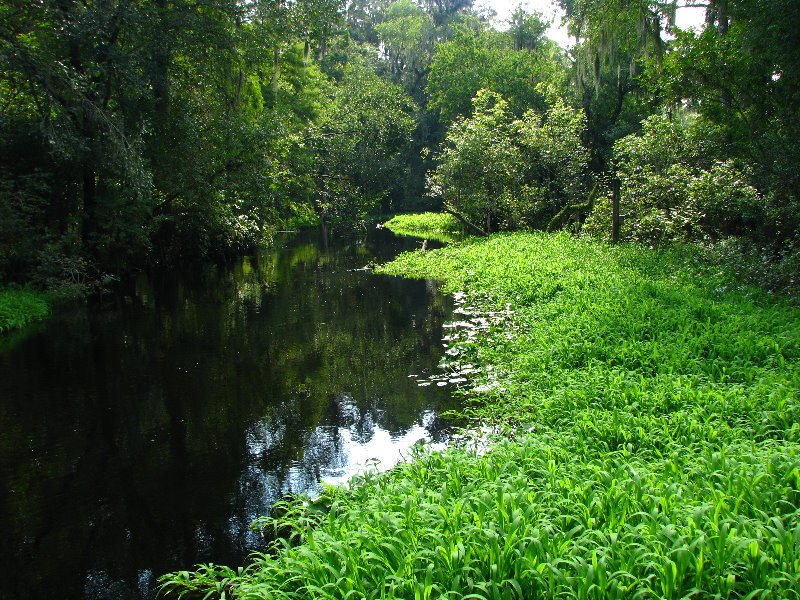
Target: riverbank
22,306
646,415
442,227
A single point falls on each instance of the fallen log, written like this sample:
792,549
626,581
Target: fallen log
461,218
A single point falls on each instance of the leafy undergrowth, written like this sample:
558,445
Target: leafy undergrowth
20,307
647,415
439,226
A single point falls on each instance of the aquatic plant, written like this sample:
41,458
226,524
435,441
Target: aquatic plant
647,442
21,306
439,226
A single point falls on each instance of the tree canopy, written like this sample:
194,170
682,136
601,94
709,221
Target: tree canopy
148,131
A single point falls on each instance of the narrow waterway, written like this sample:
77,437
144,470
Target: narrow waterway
145,434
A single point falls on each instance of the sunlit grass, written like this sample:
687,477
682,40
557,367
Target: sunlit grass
647,424
599,329
442,227
21,306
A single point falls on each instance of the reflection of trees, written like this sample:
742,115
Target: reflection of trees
127,434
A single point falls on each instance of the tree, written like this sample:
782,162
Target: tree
357,144
527,30
613,43
408,35
671,189
511,173
480,162
151,128
555,163
487,59
741,74
362,16
445,12
66,72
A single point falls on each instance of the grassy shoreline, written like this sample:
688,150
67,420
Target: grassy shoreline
20,307
437,226
649,447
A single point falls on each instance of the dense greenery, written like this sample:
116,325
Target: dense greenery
514,64
155,131
421,224
512,173
135,132
441,227
21,306
653,395
648,409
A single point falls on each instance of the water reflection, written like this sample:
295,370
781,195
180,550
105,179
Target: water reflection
145,435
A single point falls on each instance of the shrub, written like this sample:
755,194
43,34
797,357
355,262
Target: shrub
21,306
511,174
670,192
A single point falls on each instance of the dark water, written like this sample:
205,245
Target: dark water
145,435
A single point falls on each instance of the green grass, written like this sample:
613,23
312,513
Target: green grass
439,226
647,422
20,307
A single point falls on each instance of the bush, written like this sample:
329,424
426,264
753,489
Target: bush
669,192
22,206
512,174
21,306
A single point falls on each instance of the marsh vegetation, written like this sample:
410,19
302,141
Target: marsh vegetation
640,439
643,395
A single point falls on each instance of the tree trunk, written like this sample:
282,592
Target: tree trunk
276,70
464,220
89,225
615,185
161,61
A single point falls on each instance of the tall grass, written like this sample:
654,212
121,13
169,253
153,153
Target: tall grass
647,415
21,306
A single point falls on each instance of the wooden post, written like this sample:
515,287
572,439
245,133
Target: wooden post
615,210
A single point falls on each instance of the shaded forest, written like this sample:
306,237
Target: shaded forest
155,131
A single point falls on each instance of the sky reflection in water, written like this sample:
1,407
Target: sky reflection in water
146,434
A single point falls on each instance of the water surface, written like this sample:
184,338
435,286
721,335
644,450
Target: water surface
145,434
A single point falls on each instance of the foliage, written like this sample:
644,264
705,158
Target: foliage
442,227
22,205
619,27
554,163
424,223
408,34
488,59
152,131
141,131
648,409
21,306
741,74
512,173
756,264
362,16
480,161
527,30
613,42
575,213
667,195
134,132
357,143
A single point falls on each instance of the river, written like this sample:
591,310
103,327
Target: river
144,433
